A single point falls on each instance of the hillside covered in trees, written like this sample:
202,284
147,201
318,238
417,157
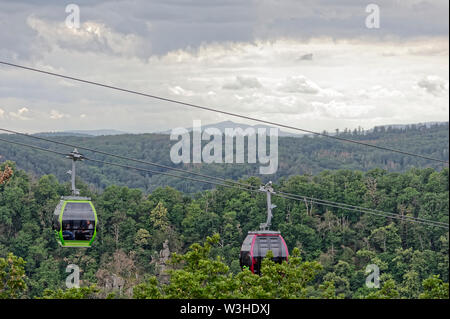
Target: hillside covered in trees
138,231
297,156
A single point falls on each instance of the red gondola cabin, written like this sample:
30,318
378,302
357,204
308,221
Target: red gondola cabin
257,244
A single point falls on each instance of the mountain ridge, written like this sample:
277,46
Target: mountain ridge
222,126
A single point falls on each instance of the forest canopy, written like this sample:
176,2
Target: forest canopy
306,155
169,244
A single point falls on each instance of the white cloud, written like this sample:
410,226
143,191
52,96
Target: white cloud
266,103
178,90
378,91
56,115
242,82
20,114
89,37
338,110
299,84
342,76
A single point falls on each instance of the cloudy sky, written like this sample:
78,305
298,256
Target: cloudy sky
310,64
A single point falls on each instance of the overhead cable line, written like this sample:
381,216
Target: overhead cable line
138,168
317,201
367,211
342,139
169,174
284,195
312,199
124,157
33,146
222,180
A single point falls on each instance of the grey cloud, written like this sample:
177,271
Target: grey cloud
242,82
171,25
337,19
306,57
433,85
89,37
265,42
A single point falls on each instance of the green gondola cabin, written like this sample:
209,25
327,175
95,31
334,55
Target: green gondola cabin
75,222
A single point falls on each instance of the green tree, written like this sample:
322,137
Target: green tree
386,238
387,291
202,276
147,290
434,288
410,286
158,217
12,277
72,293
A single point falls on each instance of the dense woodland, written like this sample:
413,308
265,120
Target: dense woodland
297,156
202,232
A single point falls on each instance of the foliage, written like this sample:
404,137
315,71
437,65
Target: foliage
296,155
388,291
12,275
72,293
434,288
203,277
330,247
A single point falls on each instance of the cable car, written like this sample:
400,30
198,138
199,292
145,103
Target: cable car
258,243
75,221
75,218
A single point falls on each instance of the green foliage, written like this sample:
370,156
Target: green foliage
202,276
12,277
311,155
147,290
385,238
330,247
434,288
158,217
388,291
72,293
286,280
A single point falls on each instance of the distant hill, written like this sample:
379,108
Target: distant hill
222,126
405,126
233,125
83,133
300,155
